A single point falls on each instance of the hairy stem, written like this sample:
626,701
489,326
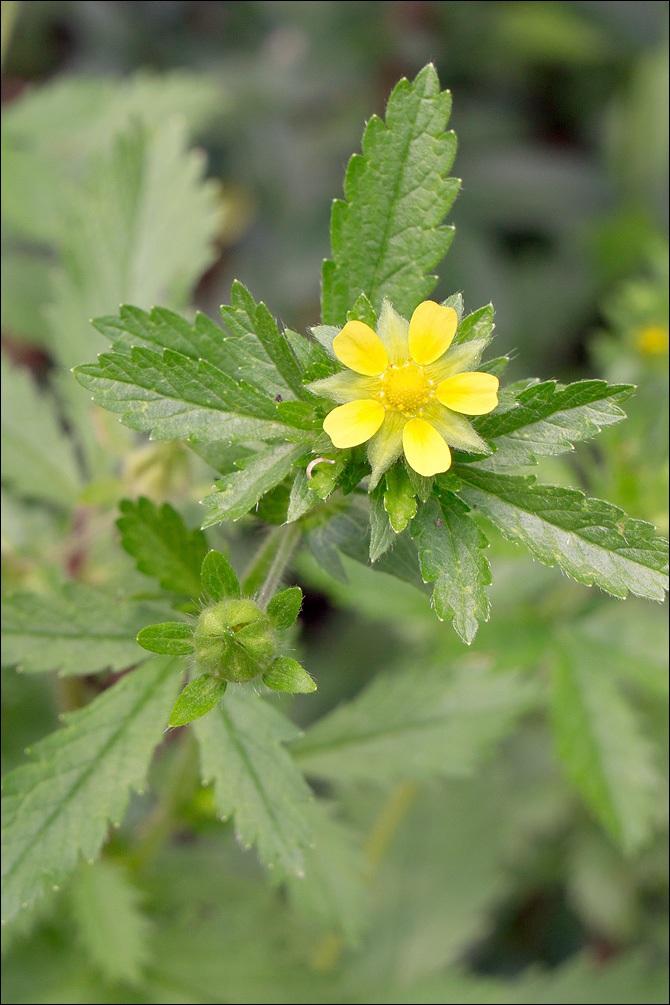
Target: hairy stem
269,565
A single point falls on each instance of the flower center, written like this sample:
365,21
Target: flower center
406,387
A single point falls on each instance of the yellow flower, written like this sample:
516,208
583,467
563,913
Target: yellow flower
407,390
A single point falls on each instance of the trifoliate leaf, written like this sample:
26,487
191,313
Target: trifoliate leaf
548,418
198,697
388,233
287,675
158,538
255,778
218,577
172,638
37,458
416,724
257,474
60,807
602,745
284,607
106,908
77,630
172,395
450,546
399,498
591,540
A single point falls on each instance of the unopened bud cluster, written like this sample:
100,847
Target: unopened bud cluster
234,640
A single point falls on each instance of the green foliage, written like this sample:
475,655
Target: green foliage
38,460
387,234
218,578
172,638
60,806
450,552
163,547
75,629
284,607
242,489
198,697
591,540
287,675
113,930
416,724
255,779
603,747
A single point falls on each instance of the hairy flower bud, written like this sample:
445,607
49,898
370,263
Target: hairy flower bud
234,640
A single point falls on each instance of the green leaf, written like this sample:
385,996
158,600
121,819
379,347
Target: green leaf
475,326
591,540
313,361
382,534
218,578
38,460
548,418
255,778
198,697
301,499
450,548
257,474
284,607
157,537
287,675
172,638
106,907
247,318
76,630
172,395
399,498
387,234
60,807
416,724
605,753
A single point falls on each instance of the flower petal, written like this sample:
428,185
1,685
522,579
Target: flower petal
392,330
354,423
471,393
431,331
346,386
424,448
359,348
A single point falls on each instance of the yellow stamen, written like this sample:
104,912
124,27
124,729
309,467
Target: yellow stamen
406,388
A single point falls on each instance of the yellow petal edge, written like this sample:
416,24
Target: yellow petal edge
425,449
361,349
354,422
471,393
431,331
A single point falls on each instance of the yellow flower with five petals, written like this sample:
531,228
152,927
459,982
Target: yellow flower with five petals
407,390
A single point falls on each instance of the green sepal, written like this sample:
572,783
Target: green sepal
382,534
399,498
284,607
363,311
422,486
198,697
217,577
287,675
172,638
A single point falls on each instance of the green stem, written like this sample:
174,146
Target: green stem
269,565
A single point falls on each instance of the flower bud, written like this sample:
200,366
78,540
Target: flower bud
234,640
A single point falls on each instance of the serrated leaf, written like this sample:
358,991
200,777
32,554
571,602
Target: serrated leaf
158,538
255,778
60,807
218,577
197,699
172,395
114,932
284,607
602,745
450,546
301,498
38,460
591,540
388,233
76,630
399,498
421,723
548,418
287,675
256,475
245,317
475,326
313,361
172,638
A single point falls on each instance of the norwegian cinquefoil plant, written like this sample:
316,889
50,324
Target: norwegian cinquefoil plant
380,436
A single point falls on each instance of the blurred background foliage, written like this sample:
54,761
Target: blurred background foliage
152,153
